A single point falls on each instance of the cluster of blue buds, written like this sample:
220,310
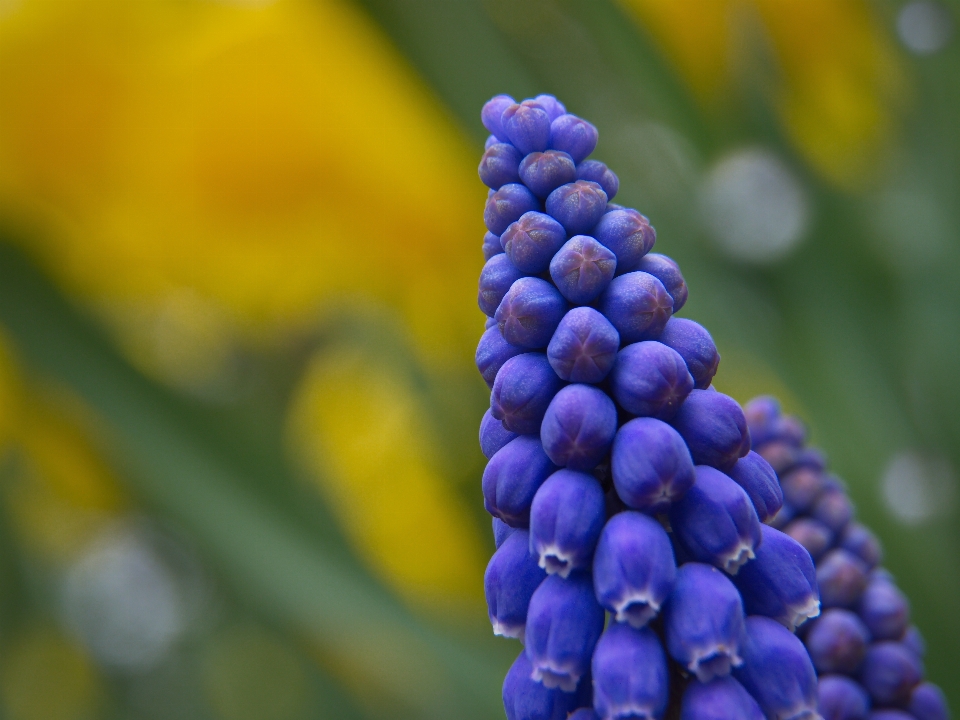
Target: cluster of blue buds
646,557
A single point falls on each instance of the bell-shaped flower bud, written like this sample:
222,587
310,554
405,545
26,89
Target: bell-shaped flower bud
566,518
522,391
913,640
720,699
629,674
582,269
667,271
583,347
815,537
884,610
695,346
841,698
492,352
554,107
492,113
526,699
781,456
491,245
759,481
651,465
578,427
837,642
860,540
713,426
760,412
833,508
512,478
493,435
532,241
501,531
890,672
506,205
497,276
598,172
529,313
637,305
577,206
927,702
628,234
500,165
650,379
544,172
633,568
842,578
574,136
527,126
801,487
512,576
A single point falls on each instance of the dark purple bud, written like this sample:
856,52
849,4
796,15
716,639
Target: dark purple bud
913,640
789,428
577,206
512,576
522,392
667,271
927,702
492,352
564,623
628,234
566,518
780,582
582,269
861,541
553,106
501,531
777,671
759,481
574,136
526,699
783,517
500,165
530,312
704,621
781,456
527,126
633,568
695,346
801,487
495,280
833,508
890,672
491,245
720,699
889,714
578,427
651,380
544,172
842,578
492,112
837,642
491,140
583,347
532,241
651,465
493,435
638,306
884,610
713,426
815,537
512,478
629,674
598,172
506,205
716,522
760,412
841,698
586,713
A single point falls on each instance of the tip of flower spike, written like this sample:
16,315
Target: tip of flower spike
508,630
799,615
555,561
555,677
717,663
738,557
636,609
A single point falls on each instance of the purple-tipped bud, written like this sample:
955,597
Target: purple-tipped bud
759,481
801,487
651,380
501,531
842,578
491,140
716,522
777,671
638,306
890,672
781,456
495,280
713,426
544,172
630,678
492,112
633,568
574,136
913,640
512,576
506,205
532,241
837,642
667,271
527,126
884,610
927,702
815,537
598,172
512,478
861,541
582,269
704,621
526,699
651,465
493,435
577,206
522,392
695,346
563,624
492,352
760,412
720,699
530,312
833,508
491,245
578,427
583,347
780,582
628,234
841,698
500,165
553,106
566,518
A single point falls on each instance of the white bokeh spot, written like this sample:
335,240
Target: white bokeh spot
924,27
917,488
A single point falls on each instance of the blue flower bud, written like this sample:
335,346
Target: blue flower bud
501,531
577,206
512,478
781,456
842,578
859,540
522,392
783,518
833,508
511,577
837,642
526,699
497,276
801,487
713,426
544,172
761,412
889,714
629,675
720,699
500,165
628,234
563,625
583,347
777,671
913,640
890,672
530,312
553,106
598,172
759,481
574,136
491,114
884,610
650,464
586,713
651,380
491,245
695,346
566,518
840,698
927,702
578,427
532,241
666,271
491,140
815,537
704,621
780,582
633,568
527,126
506,205
637,305
492,352
582,269
493,435
716,522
